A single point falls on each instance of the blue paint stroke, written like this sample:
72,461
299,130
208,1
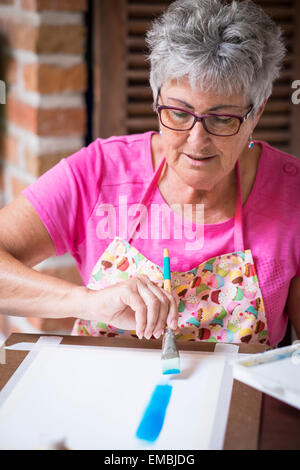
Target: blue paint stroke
154,415
171,371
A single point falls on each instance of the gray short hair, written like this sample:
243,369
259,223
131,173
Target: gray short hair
222,46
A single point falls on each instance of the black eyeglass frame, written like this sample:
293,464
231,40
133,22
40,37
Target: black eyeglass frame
200,118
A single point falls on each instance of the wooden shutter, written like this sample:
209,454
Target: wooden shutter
277,124
123,99
140,115
122,94
109,67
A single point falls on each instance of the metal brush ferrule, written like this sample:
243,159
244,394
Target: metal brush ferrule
169,347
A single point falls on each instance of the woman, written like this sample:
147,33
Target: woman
234,279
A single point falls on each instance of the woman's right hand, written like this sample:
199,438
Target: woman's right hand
135,304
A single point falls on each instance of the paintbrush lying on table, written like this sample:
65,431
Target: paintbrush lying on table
170,356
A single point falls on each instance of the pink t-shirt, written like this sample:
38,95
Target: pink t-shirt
92,196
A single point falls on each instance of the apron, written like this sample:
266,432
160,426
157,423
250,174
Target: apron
218,301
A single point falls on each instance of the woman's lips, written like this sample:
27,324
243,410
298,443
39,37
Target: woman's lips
198,160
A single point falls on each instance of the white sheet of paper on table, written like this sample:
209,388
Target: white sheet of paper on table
275,372
94,398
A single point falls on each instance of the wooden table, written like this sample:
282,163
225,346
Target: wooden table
255,420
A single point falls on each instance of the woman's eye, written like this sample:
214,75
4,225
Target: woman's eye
180,115
223,119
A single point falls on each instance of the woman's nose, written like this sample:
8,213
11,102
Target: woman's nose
198,134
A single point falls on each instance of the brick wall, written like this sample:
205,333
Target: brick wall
42,44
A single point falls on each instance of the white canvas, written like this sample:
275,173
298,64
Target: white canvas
94,398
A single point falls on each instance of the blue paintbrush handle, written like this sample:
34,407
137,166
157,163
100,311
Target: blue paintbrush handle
167,271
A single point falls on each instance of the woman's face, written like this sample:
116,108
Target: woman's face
216,156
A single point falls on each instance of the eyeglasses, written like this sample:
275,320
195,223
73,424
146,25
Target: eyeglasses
178,119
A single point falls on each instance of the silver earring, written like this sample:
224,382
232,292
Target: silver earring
250,142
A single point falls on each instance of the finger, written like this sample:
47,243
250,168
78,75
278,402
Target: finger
172,318
134,300
140,309
168,309
153,306
163,311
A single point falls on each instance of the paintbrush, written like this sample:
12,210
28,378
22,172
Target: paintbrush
170,356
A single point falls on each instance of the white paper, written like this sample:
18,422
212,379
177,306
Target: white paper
95,399
275,372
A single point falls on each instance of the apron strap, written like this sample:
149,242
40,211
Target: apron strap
238,220
146,197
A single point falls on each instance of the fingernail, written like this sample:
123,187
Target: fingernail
174,324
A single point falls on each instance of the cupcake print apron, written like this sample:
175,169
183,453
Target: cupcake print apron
219,300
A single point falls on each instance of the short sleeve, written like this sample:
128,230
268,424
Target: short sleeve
65,196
